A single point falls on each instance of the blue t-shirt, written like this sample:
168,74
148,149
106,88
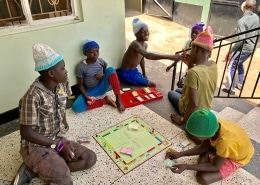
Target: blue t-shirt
88,72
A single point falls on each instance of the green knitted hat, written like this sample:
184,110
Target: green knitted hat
202,123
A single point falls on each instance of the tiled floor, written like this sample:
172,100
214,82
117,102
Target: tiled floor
244,112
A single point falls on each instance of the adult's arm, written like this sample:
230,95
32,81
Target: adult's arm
241,28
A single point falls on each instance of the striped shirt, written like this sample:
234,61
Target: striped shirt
88,72
44,109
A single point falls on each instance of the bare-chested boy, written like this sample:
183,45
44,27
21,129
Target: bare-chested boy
135,55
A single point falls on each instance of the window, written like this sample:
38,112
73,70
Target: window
29,12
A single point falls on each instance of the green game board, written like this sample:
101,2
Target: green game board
146,142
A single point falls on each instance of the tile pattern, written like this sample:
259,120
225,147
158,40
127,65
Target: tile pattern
242,106
151,172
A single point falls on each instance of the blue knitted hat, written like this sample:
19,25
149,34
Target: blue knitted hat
45,57
88,45
202,123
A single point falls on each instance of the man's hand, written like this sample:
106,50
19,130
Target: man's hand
99,76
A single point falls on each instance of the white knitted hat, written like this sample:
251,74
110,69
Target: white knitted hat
45,57
138,25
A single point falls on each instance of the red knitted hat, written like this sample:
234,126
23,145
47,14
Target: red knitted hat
205,39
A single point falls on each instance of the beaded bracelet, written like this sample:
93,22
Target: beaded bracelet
61,146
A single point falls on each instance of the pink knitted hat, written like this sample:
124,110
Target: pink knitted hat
205,39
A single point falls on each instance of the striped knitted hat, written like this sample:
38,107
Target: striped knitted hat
202,123
138,25
205,39
45,57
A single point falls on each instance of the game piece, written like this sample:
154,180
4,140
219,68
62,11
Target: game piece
127,151
184,143
126,89
169,150
140,98
152,96
133,127
134,93
147,90
86,139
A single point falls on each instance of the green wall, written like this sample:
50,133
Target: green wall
100,20
204,3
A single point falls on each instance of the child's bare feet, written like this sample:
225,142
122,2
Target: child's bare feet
120,105
110,101
151,84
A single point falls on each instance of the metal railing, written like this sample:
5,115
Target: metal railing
218,45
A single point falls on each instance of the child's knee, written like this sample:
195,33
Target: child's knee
203,178
110,70
79,107
90,159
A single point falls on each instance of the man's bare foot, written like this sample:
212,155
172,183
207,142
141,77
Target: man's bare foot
120,105
110,101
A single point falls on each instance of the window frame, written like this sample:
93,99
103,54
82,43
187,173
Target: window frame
29,22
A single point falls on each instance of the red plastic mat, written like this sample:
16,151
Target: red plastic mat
139,96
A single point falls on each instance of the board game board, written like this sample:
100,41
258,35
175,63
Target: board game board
145,143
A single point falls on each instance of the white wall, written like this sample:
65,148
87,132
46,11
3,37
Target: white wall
101,20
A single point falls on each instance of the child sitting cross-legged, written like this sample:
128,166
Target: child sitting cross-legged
225,147
95,79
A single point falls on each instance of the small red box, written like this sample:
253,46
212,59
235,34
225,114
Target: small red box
140,96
